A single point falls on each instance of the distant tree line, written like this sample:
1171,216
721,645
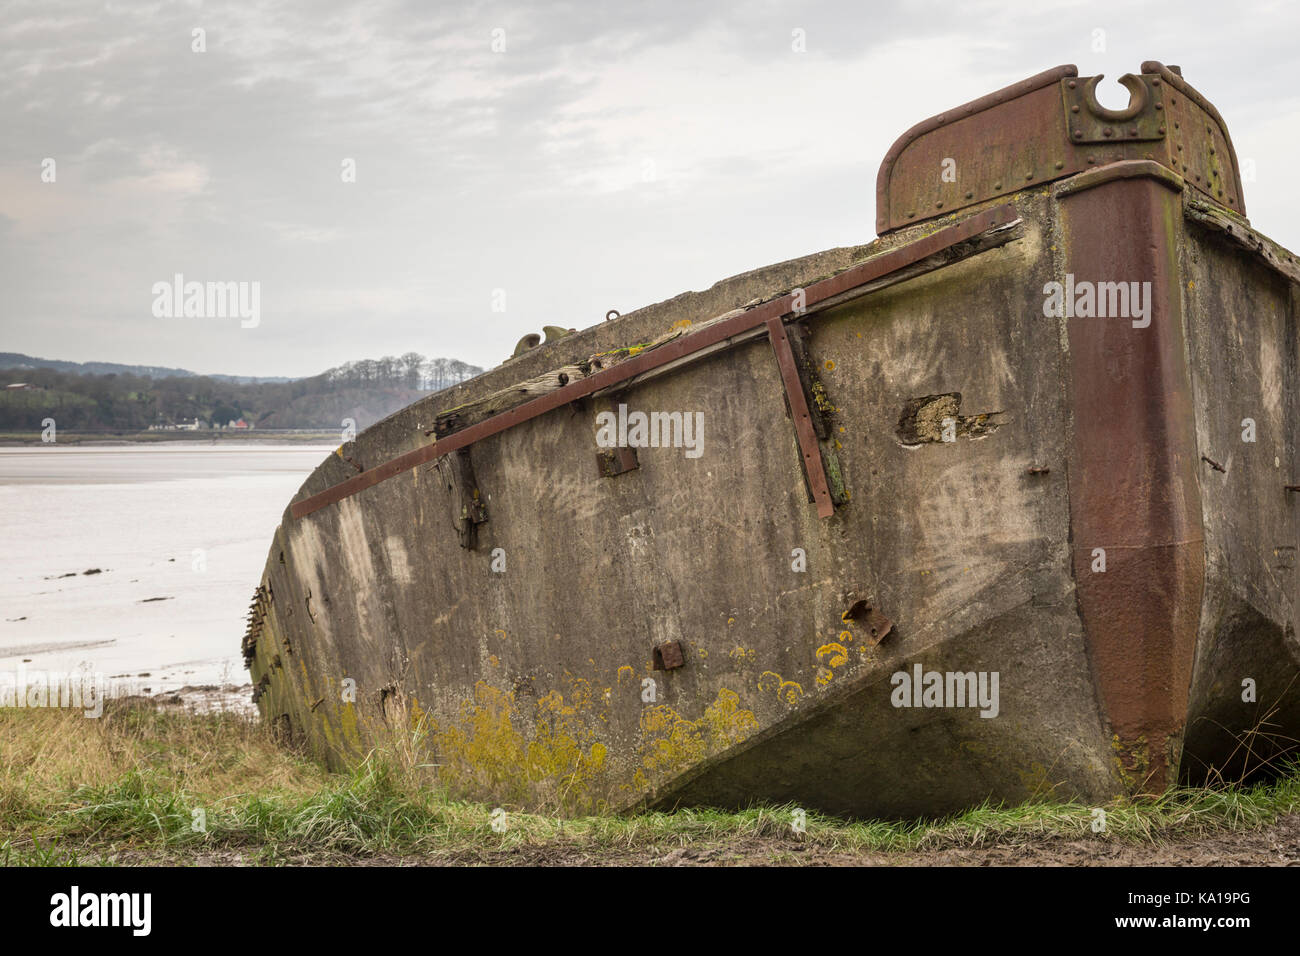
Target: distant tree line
411,370
365,391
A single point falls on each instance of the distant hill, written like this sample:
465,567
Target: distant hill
130,398
16,360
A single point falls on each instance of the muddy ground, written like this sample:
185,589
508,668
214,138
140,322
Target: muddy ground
206,699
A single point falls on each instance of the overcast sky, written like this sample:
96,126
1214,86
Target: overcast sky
610,156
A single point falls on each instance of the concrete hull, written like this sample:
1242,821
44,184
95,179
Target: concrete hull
500,607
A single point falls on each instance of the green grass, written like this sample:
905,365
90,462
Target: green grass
125,788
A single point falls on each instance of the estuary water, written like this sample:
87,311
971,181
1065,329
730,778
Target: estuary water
175,535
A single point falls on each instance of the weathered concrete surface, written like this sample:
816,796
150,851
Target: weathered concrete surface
1243,354
531,686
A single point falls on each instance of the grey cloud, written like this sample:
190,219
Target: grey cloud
521,170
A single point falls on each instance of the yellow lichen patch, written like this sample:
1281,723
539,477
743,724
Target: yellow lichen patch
790,692
625,673
554,754
846,637
819,398
681,324
730,621
832,655
417,715
484,752
769,681
657,720
726,721
830,365
348,722
554,703
1035,778
484,745
739,653
494,660
580,693
1132,760
678,743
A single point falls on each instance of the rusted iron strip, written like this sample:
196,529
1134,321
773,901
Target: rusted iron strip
1132,477
941,259
803,428
779,307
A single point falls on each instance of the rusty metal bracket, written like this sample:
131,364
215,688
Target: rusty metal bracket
616,461
814,468
1090,122
873,619
833,288
670,656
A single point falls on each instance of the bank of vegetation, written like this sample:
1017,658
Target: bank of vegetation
134,786
122,402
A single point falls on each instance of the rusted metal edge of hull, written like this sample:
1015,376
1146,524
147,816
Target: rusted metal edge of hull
1133,476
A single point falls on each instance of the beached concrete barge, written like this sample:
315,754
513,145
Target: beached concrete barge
999,505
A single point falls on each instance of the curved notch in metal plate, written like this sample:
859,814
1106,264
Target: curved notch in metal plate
1046,128
1090,122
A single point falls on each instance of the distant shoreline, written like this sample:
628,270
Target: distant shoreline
17,439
